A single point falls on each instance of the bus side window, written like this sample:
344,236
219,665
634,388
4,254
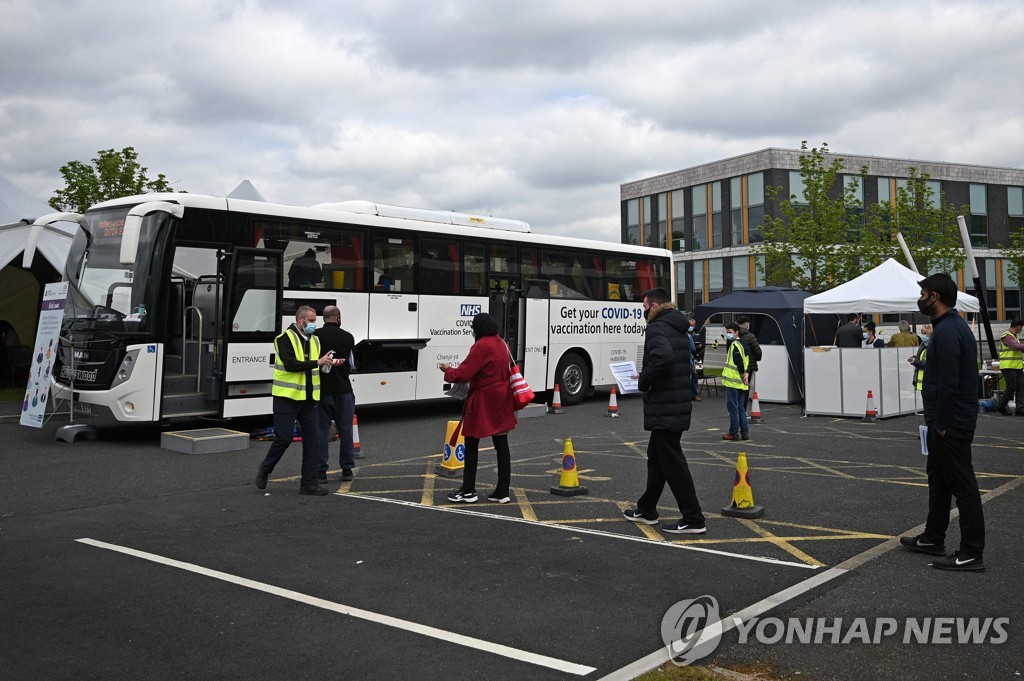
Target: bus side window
346,270
394,264
440,267
475,259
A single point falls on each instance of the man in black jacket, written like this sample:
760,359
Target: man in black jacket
753,353
951,413
850,335
337,401
665,382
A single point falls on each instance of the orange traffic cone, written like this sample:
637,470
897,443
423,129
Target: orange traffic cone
870,413
556,402
355,437
613,405
755,410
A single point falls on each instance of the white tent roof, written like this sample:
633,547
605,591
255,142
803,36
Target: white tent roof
17,211
890,287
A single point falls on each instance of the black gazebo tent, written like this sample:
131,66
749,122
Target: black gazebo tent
776,315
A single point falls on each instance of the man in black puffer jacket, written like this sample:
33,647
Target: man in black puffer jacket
665,383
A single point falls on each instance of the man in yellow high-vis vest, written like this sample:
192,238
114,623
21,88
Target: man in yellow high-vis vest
736,379
296,391
1011,363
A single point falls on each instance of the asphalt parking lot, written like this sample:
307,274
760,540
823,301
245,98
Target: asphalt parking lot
125,560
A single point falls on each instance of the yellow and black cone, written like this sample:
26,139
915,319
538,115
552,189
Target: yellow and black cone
453,454
568,481
742,505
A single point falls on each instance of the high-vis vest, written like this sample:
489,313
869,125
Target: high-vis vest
732,376
919,374
1008,357
292,384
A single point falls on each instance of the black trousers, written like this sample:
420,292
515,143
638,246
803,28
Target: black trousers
1014,389
286,412
666,463
473,457
951,474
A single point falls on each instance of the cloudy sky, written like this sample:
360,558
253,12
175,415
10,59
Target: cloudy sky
534,110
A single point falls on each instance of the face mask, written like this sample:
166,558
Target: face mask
730,336
924,338
691,329
309,328
647,313
924,306
865,334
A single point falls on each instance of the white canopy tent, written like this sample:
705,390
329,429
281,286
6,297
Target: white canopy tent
17,211
890,287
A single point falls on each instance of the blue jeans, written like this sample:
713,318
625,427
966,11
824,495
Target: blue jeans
694,379
734,399
338,409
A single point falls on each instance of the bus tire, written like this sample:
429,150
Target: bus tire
573,378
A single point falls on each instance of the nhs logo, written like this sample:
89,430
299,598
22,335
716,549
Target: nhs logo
470,310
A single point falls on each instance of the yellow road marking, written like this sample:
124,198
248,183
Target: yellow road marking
824,468
780,542
773,538
428,486
525,507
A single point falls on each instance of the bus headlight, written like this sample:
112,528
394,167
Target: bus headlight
124,372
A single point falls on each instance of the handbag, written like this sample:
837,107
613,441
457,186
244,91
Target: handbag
522,394
458,390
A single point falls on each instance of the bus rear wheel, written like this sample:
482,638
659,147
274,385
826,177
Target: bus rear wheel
573,378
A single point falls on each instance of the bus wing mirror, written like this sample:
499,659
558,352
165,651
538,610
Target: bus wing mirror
37,229
133,226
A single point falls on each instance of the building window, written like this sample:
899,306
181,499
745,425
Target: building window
633,222
678,222
1011,293
715,279
662,228
740,273
796,188
758,271
885,190
979,215
645,218
699,201
716,215
755,207
735,211
1015,208
680,279
698,276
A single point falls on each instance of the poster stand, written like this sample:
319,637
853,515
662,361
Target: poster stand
71,431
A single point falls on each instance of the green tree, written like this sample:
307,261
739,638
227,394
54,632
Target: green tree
817,241
926,221
114,174
1013,253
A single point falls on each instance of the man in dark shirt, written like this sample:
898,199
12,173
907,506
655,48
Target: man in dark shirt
754,354
337,401
850,335
951,413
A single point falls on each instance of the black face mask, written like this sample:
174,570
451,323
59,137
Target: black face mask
924,306
647,314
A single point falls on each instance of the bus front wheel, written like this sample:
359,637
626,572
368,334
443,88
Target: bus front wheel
573,378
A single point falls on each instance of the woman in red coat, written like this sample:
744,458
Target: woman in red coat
489,410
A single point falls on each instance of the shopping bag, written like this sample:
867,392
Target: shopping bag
458,390
522,394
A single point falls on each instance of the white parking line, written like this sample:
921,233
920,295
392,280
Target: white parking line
578,530
405,625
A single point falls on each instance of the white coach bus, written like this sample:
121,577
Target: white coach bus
175,299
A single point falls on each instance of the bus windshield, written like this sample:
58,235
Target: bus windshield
102,290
